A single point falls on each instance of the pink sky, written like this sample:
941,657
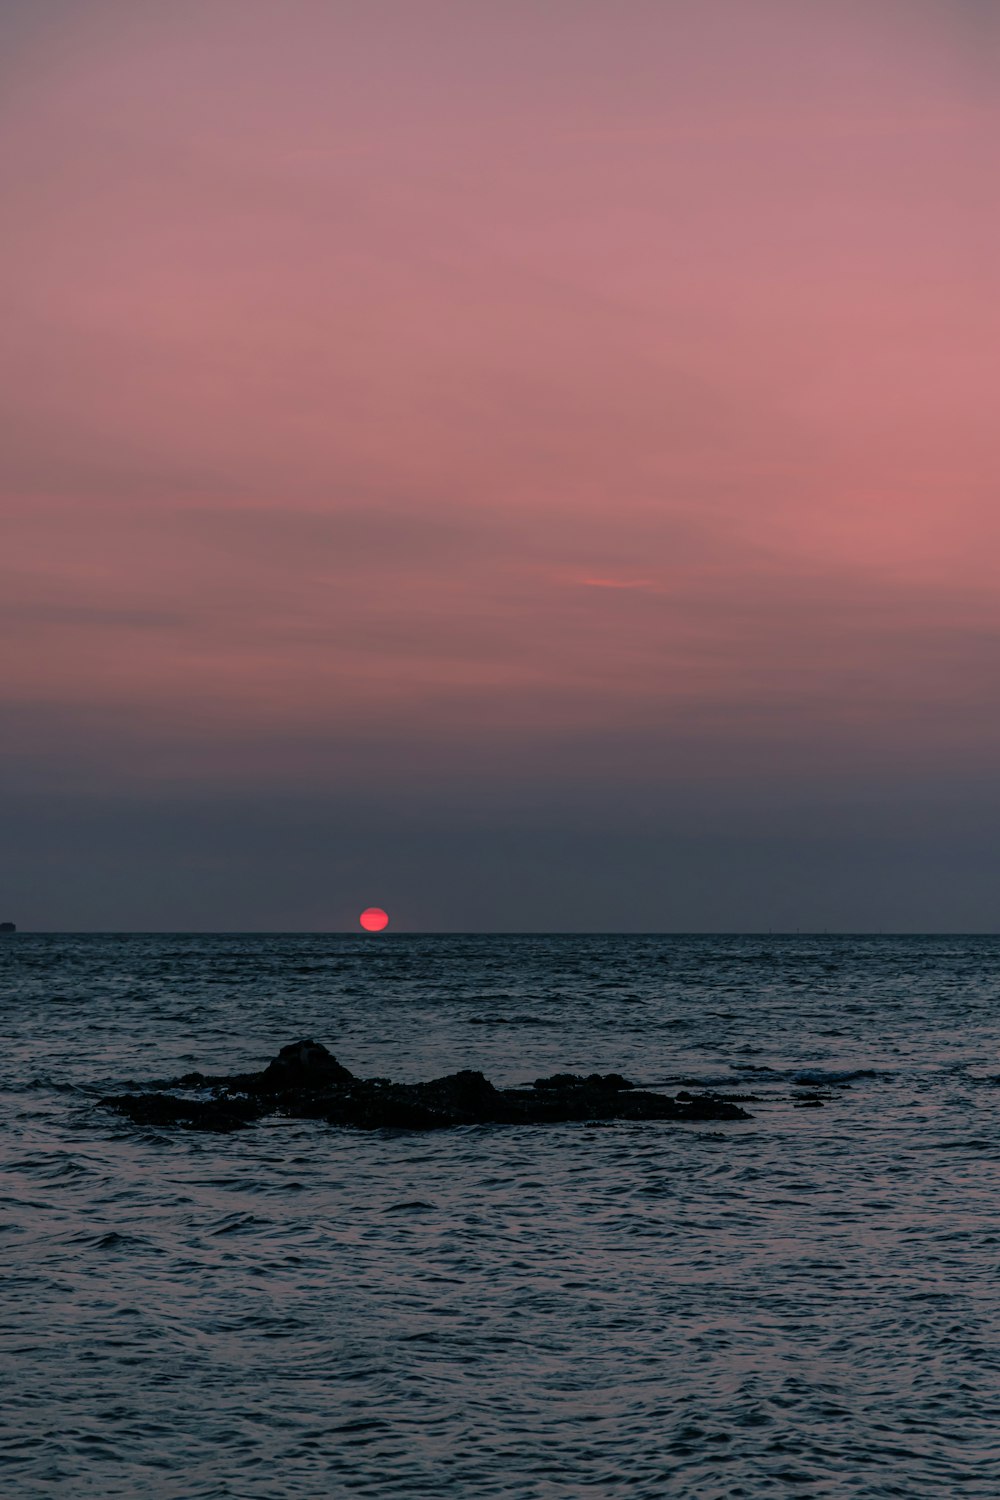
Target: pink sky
434,385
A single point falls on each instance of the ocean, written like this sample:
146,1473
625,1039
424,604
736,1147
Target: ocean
804,1303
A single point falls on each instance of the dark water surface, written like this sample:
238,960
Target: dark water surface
805,1303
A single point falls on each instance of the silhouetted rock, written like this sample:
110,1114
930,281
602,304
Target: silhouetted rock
8,927
729,1098
196,1114
577,1081
306,1082
465,1098
300,1067
304,1065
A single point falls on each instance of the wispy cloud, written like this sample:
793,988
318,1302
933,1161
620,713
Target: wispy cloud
616,583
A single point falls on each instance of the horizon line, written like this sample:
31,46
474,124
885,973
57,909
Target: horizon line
343,932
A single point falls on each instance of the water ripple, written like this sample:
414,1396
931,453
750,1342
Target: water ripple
805,1306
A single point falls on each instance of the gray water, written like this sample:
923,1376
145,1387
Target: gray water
803,1303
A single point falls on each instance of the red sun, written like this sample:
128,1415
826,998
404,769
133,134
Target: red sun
374,919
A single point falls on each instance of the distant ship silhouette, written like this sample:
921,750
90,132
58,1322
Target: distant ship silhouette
8,927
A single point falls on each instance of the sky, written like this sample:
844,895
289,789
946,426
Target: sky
526,466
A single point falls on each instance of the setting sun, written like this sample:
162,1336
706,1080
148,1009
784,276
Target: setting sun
374,919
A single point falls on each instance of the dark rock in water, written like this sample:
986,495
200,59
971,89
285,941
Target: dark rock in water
729,1098
8,926
301,1067
465,1098
306,1082
577,1080
304,1065
196,1114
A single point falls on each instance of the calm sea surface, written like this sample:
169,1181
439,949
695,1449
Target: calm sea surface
804,1303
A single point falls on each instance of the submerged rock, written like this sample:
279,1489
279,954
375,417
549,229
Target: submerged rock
306,1082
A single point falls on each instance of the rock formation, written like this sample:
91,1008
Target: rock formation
306,1082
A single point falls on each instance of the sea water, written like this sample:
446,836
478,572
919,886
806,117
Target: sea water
806,1302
